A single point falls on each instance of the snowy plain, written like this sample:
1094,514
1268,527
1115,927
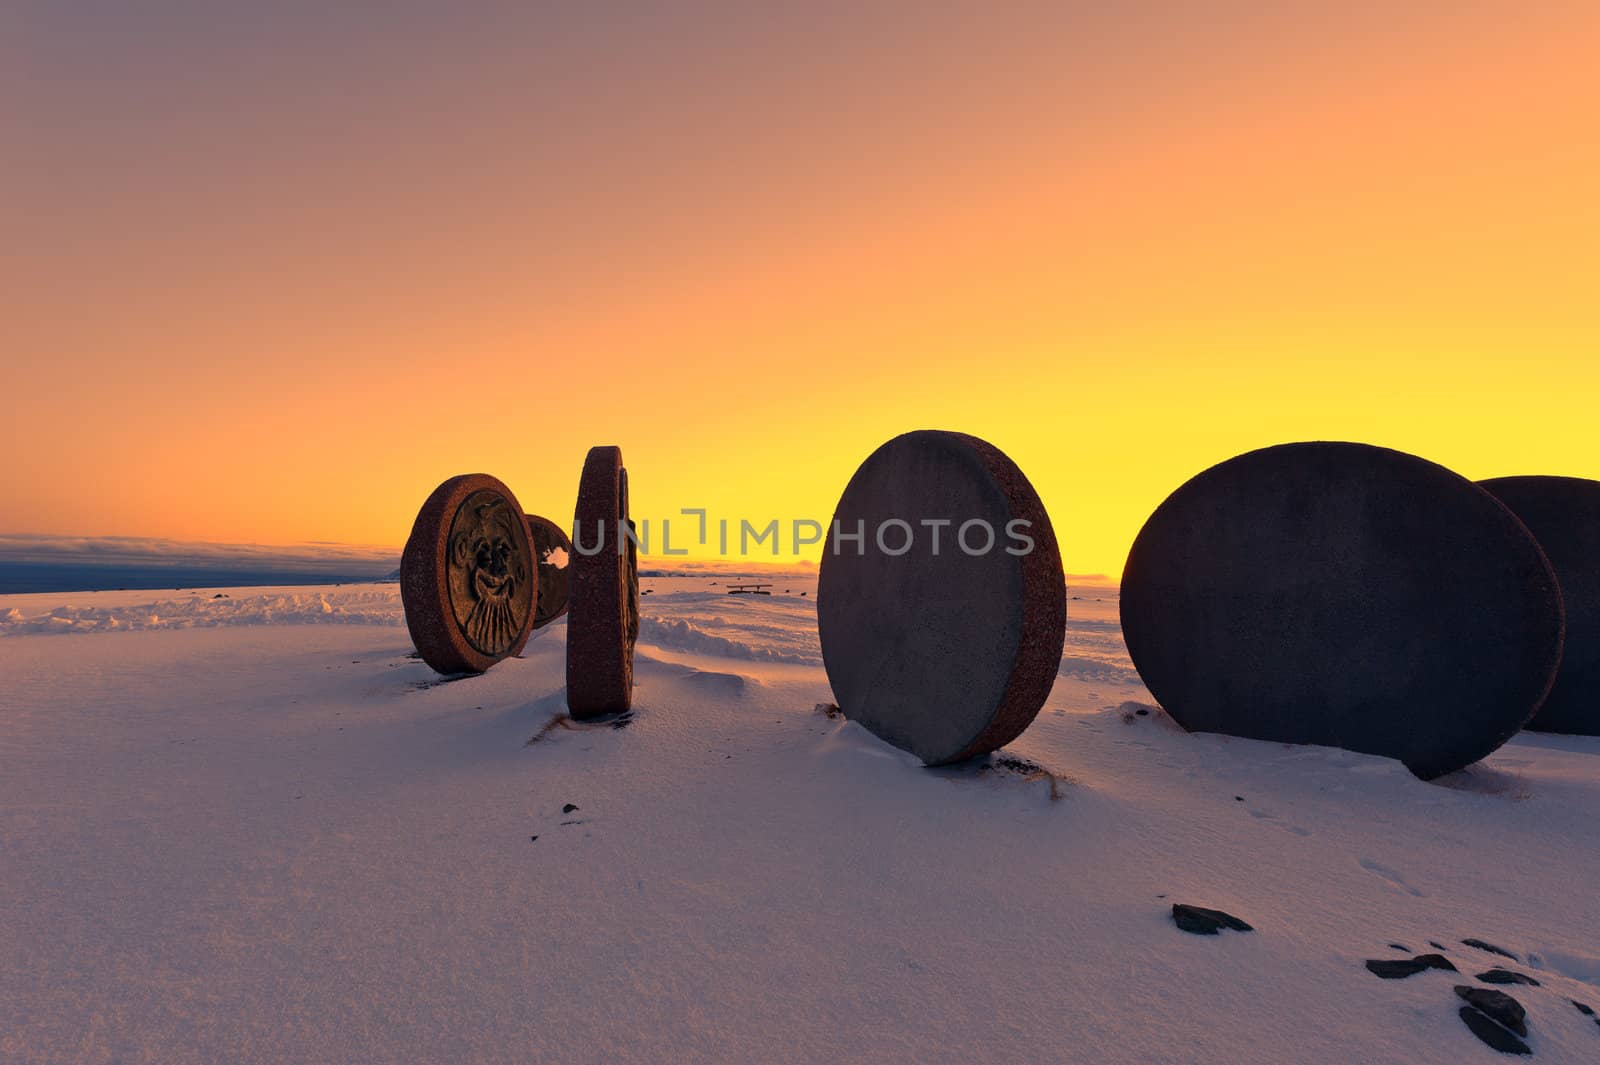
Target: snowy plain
255,829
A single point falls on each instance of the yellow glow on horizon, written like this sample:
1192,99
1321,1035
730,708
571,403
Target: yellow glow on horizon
1120,268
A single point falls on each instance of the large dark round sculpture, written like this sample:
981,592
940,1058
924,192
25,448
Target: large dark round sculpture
1343,595
1563,513
603,591
552,552
467,576
947,652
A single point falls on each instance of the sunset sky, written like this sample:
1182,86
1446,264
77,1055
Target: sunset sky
269,273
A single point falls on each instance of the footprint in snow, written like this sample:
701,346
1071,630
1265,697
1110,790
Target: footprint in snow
1393,876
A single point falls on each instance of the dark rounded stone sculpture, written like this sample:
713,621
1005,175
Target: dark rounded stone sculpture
942,639
467,576
1563,513
1344,595
603,596
552,552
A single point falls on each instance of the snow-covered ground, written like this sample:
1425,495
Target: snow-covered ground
254,829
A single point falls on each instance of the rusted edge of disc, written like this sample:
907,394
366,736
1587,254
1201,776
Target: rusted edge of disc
1044,608
600,611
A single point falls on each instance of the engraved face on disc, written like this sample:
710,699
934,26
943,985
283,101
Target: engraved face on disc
489,571
468,579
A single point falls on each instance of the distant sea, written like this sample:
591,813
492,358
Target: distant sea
31,563
24,577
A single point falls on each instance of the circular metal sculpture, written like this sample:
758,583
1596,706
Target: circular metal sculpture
467,576
1563,513
603,603
1343,595
552,552
942,635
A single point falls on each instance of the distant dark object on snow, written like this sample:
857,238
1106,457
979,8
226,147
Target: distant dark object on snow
1400,968
1506,976
1478,944
1497,1006
1492,1033
1203,922
1343,595
1563,513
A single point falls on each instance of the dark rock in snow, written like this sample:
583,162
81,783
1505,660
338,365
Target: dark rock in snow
1585,1010
1204,922
1436,945
568,808
1400,968
1506,976
1479,944
1491,1033
1497,1005
1400,947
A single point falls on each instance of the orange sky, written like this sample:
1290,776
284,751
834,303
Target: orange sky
271,276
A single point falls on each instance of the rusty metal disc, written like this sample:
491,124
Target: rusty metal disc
468,581
942,640
603,591
1347,596
1563,513
552,553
